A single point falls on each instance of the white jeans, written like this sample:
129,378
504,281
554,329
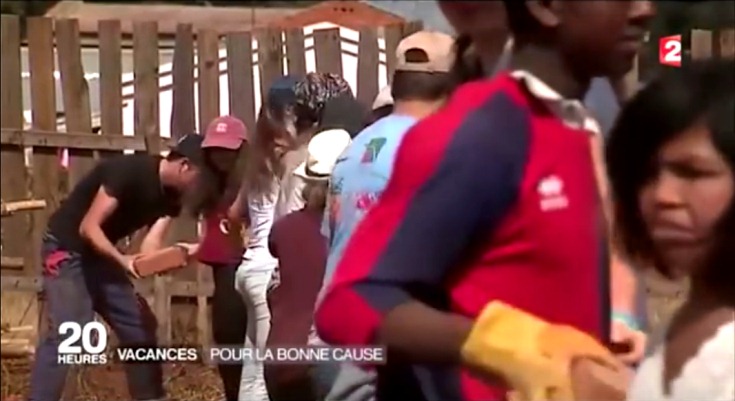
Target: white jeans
254,288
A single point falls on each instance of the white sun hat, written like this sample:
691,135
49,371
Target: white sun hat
323,151
384,98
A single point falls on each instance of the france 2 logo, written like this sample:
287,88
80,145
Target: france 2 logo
669,51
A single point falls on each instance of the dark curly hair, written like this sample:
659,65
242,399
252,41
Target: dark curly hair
670,104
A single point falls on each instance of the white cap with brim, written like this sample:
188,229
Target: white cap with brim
383,99
323,151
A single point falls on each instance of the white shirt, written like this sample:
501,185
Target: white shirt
261,209
710,375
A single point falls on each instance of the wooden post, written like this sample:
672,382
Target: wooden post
145,65
111,103
240,78
75,93
296,52
270,59
12,159
701,44
183,115
392,35
208,67
328,51
45,160
208,49
727,43
368,61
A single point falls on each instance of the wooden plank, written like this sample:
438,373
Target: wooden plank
727,43
75,94
392,36
9,262
296,52
12,160
185,227
328,51
208,50
176,288
145,66
183,115
203,325
208,82
368,61
52,139
270,58
412,27
701,44
111,102
45,162
240,77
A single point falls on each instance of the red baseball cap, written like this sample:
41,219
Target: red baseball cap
225,132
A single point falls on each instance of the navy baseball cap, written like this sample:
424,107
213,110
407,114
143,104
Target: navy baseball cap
190,147
282,93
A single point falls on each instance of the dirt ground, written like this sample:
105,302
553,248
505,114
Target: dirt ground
184,382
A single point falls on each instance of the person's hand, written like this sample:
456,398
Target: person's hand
191,249
127,262
634,341
532,356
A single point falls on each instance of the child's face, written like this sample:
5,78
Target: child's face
689,193
603,36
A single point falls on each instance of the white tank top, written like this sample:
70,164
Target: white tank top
710,375
261,209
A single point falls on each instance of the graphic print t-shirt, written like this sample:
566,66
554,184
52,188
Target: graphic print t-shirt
357,181
131,179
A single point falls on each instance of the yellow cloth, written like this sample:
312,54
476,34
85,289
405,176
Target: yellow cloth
531,355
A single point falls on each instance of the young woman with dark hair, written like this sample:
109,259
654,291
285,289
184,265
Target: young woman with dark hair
274,135
671,160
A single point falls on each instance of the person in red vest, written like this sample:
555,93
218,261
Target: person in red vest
221,242
483,266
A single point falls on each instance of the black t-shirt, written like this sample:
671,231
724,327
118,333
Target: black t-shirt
131,179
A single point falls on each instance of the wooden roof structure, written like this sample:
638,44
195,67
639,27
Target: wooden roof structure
222,19
347,13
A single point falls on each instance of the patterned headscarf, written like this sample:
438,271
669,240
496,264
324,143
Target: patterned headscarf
313,92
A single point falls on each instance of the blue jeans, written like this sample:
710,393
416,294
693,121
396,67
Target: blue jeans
75,287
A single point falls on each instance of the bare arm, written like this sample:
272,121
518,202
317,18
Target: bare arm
155,236
90,228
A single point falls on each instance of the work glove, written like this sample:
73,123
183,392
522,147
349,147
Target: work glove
536,359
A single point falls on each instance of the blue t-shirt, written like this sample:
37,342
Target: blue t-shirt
358,179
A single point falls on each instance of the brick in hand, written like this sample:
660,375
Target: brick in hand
161,261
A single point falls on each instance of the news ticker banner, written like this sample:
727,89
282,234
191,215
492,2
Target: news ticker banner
229,355
88,345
